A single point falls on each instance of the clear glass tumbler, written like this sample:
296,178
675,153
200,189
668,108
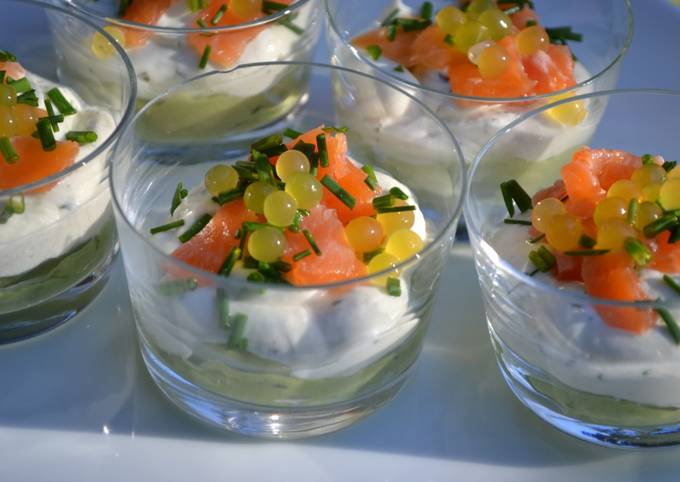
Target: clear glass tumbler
607,29
172,50
318,357
57,234
597,383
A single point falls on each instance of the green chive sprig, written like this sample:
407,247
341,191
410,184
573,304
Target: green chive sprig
302,255
323,149
638,251
20,86
395,209
60,102
167,227
667,221
180,194
195,228
46,135
371,179
177,287
521,222
346,198
393,287
229,263
586,241
374,51
82,137
310,239
672,283
7,151
671,324
228,196
237,339
218,15
587,252
272,7
205,57
513,194
542,259
292,133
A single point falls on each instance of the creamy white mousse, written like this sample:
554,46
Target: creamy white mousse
473,123
57,220
579,349
315,333
167,60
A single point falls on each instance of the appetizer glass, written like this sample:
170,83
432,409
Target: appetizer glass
606,25
600,384
56,253
317,358
167,59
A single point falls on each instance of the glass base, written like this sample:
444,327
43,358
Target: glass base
33,321
261,421
555,404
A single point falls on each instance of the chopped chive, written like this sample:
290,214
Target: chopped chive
517,221
562,34
6,56
201,23
638,251
195,228
60,102
384,201
267,142
265,172
20,86
282,266
28,98
180,193
82,137
123,6
647,160
223,307
395,209
204,57
672,283
254,226
537,239
46,135
398,68
54,120
547,256
271,7
586,241
632,210
167,227
671,324
228,265
587,252
297,222
292,133
312,243
228,196
448,39
394,287
675,235
250,263
374,51
667,221
323,150
669,165
196,5
391,32
530,23
335,189
2,76
7,151
335,129
17,204
426,11
219,14
413,24
237,339
371,179
256,277
512,191
398,193
507,198
540,264
177,286
390,18
288,23
301,255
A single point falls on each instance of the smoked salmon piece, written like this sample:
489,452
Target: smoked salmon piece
143,11
591,172
612,276
430,51
398,50
666,255
210,247
13,70
337,261
35,164
552,69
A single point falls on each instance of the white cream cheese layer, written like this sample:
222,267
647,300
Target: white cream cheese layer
578,348
316,333
57,220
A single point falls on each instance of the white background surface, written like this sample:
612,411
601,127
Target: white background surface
77,404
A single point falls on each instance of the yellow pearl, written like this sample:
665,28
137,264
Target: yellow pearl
568,114
611,234
449,18
564,232
647,213
493,61
669,195
403,244
532,39
624,189
382,262
610,208
544,211
101,47
649,174
364,233
650,192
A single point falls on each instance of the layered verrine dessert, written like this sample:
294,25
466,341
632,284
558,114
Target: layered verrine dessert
581,283
481,64
290,285
56,227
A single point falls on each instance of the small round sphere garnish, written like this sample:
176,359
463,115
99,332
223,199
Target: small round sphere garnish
280,208
267,244
221,178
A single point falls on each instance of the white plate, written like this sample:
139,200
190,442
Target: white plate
77,403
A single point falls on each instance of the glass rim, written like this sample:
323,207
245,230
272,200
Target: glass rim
127,113
185,30
218,280
522,277
497,100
